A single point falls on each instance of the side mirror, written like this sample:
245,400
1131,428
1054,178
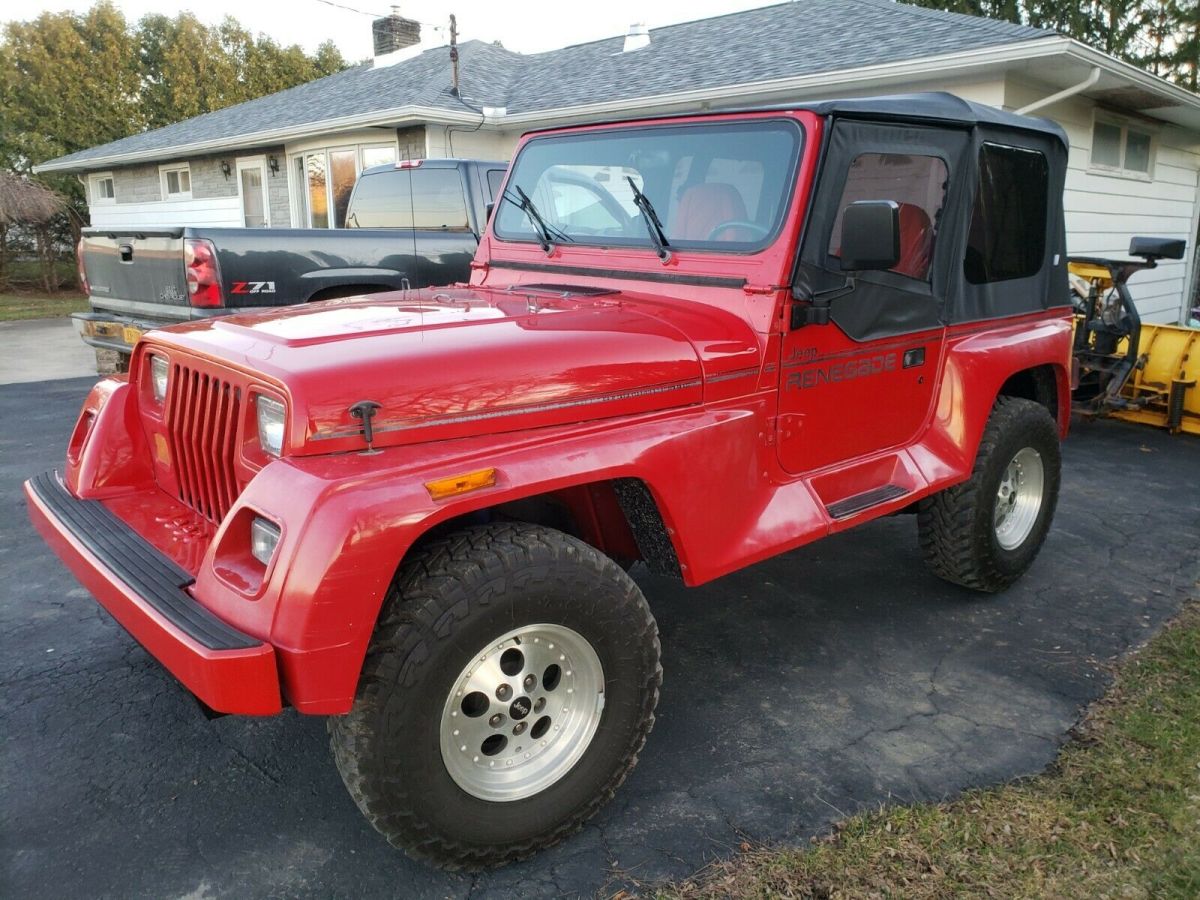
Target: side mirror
870,235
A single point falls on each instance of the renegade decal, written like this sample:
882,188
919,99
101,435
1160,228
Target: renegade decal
253,287
864,367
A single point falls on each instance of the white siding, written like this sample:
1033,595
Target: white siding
1104,211
463,143
214,212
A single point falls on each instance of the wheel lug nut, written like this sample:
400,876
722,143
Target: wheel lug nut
496,720
503,692
519,728
539,705
530,681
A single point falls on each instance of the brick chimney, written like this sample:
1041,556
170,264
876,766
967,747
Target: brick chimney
394,32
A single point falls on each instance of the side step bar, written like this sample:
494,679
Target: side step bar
857,503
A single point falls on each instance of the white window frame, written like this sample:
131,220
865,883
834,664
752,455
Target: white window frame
162,180
95,198
297,186
253,162
1126,126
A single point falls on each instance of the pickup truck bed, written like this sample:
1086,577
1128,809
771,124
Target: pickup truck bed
422,220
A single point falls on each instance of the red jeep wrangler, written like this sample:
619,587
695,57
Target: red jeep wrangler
696,342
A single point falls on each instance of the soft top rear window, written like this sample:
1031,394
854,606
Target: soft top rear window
721,186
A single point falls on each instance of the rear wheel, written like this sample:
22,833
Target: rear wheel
508,688
986,532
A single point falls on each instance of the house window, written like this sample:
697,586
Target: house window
176,182
378,155
1007,238
103,188
324,179
1120,149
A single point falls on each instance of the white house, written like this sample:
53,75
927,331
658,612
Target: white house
290,159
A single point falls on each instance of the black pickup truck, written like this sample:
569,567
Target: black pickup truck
411,224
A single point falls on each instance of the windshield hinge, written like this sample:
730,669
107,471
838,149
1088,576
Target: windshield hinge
761,288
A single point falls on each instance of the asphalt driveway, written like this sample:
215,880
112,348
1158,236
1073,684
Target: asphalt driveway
831,679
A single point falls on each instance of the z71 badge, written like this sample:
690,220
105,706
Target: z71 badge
253,287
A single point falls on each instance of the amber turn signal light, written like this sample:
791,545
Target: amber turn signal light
461,484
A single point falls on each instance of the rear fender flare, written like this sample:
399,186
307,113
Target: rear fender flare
973,373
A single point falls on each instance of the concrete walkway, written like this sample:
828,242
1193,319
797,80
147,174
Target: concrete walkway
34,350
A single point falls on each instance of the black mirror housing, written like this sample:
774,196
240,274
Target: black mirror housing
870,235
1157,248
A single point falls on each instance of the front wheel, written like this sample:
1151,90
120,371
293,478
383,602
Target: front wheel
986,532
508,688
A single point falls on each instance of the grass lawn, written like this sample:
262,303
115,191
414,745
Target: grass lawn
40,306
1117,816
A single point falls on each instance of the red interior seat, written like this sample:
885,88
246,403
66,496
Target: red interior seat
705,206
916,242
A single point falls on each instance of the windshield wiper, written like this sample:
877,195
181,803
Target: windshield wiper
653,224
547,234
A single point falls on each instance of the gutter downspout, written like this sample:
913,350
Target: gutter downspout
1063,94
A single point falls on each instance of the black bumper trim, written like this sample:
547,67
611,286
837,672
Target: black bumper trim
156,579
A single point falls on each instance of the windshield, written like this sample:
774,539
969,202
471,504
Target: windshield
718,186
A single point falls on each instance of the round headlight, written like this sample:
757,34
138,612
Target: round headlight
158,378
270,424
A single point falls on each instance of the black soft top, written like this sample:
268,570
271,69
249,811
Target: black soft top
933,107
929,108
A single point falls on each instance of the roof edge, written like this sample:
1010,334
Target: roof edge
865,76
395,117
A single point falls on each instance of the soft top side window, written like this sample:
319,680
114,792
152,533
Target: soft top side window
1007,238
918,184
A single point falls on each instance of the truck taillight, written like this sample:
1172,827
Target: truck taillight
83,282
203,277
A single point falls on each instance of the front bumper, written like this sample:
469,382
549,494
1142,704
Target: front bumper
146,593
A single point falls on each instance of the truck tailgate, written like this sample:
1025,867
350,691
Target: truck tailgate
136,271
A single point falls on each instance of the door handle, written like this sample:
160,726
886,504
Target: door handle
914,357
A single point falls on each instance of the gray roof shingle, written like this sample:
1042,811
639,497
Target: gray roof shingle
789,39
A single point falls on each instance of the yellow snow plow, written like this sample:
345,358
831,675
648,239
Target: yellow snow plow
1122,366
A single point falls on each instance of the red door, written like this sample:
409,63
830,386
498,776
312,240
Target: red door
864,382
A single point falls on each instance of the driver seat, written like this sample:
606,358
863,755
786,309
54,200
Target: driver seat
705,206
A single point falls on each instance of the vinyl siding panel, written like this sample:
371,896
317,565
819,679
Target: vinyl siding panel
213,212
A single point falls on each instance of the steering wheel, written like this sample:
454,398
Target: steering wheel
739,223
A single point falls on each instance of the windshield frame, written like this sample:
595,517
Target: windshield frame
643,242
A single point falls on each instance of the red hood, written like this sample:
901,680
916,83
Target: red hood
457,362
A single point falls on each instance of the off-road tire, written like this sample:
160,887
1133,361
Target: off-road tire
453,596
957,533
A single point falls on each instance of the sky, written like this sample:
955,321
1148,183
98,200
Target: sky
527,27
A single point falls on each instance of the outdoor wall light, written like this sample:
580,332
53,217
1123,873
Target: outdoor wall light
274,164
225,170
